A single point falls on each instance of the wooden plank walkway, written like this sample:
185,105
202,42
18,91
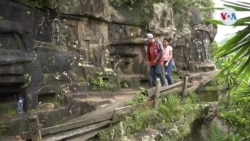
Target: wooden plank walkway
88,124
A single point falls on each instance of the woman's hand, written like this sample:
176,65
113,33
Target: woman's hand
166,64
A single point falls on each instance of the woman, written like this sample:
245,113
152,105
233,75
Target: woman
168,57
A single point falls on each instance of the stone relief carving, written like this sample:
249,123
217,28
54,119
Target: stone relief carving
162,22
77,41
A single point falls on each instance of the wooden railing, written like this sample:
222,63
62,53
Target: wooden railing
90,124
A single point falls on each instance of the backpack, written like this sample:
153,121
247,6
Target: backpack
160,50
159,45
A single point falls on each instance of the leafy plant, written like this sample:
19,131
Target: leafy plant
138,99
233,137
100,82
238,45
216,134
5,131
124,84
170,107
234,59
143,118
143,90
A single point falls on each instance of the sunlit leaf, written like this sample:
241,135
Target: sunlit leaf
213,21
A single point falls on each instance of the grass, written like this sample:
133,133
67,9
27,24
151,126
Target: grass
216,134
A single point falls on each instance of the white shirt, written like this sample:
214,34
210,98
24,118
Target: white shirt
166,53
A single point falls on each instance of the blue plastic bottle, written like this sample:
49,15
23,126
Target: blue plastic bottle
20,105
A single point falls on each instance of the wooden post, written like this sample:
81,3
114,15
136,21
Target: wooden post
157,93
35,128
184,88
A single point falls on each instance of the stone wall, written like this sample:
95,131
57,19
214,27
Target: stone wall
58,49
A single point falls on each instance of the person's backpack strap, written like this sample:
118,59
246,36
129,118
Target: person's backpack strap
160,50
159,45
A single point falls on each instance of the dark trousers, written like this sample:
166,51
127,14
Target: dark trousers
156,71
168,70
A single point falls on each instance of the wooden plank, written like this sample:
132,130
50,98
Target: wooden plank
206,78
96,116
102,111
85,136
168,88
132,107
70,126
75,132
116,109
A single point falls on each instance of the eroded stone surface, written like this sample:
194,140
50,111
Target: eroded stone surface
57,51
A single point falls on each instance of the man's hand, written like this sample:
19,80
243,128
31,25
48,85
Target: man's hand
148,63
151,63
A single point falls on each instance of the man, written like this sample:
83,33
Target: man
154,58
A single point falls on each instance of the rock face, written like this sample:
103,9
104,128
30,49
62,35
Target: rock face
75,46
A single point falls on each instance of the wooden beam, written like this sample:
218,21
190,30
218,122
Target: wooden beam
157,93
75,132
96,116
70,126
151,91
205,79
85,137
184,88
35,128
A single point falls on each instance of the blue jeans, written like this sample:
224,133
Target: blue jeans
168,70
156,71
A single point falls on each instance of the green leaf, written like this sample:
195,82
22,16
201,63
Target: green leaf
213,21
238,6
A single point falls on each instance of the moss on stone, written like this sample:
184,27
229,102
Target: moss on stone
136,13
8,110
23,126
182,9
5,132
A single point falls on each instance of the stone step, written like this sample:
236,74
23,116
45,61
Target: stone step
10,89
13,57
134,81
12,80
12,69
205,67
65,88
